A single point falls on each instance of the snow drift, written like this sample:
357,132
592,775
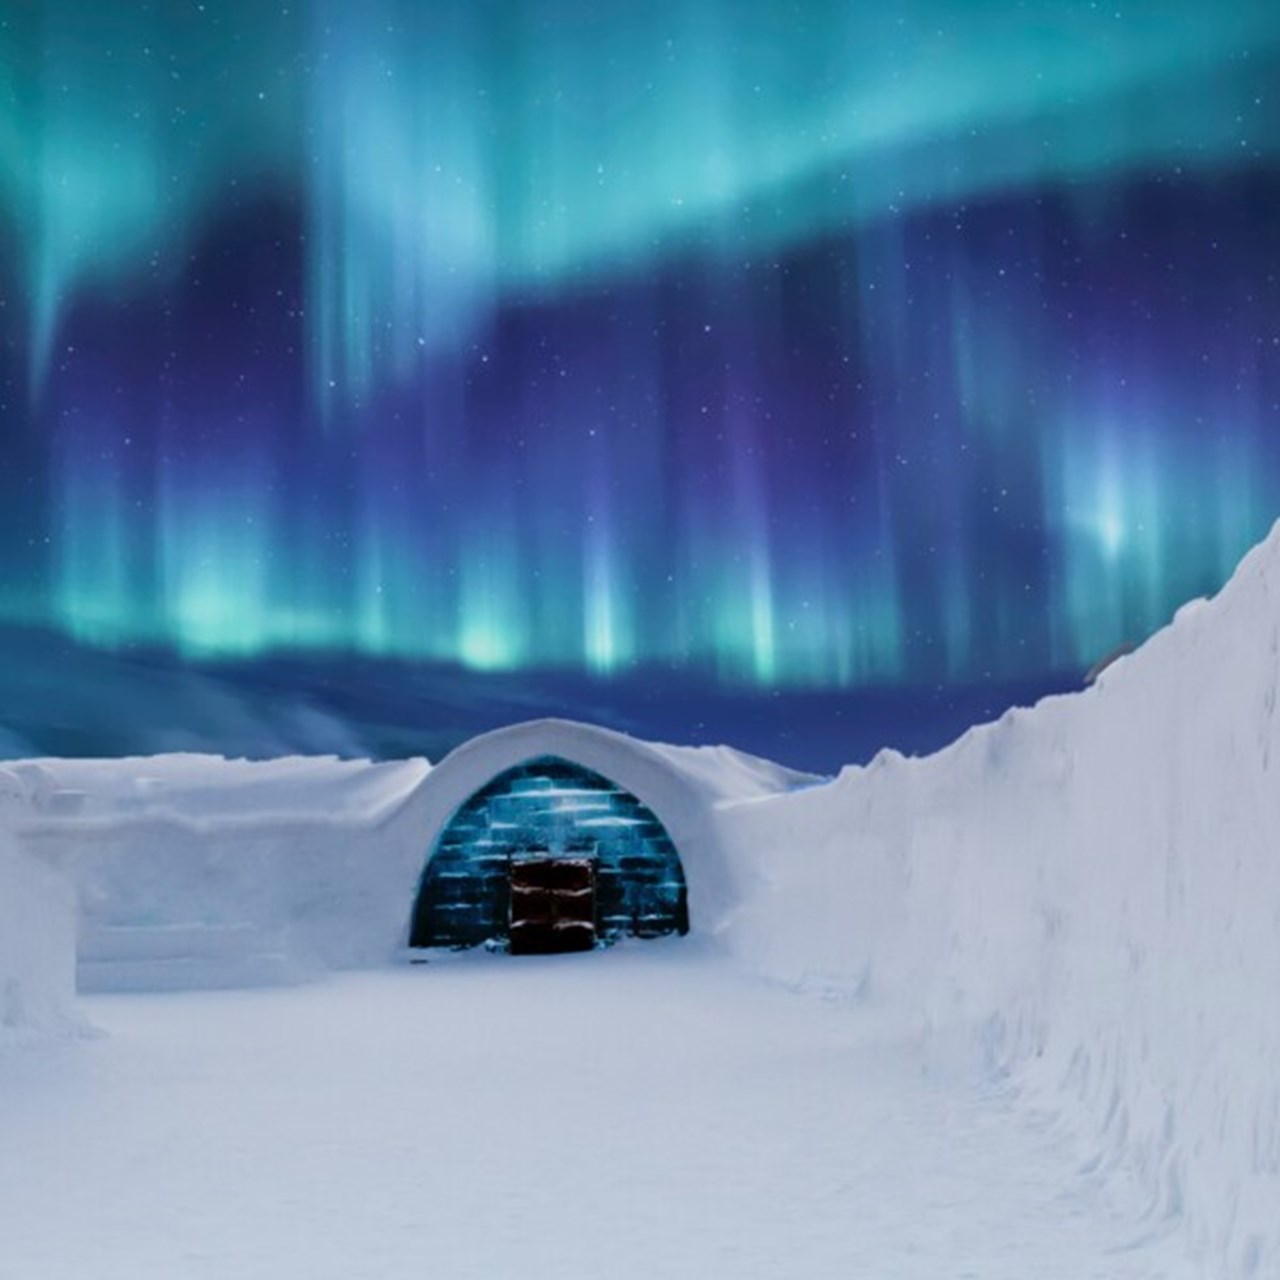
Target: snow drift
37,927
1090,892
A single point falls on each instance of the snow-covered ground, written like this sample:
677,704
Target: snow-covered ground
650,1112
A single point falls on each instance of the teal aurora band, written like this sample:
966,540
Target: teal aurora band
810,345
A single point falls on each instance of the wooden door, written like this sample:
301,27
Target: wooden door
553,905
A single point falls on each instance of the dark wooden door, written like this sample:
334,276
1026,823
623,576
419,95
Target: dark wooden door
553,905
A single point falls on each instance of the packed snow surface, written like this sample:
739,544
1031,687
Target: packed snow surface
645,1113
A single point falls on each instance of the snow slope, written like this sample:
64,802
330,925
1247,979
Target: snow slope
37,928
1089,892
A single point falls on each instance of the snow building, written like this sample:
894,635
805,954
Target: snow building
550,856
546,836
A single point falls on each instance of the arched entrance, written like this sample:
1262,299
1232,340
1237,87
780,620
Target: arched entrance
588,860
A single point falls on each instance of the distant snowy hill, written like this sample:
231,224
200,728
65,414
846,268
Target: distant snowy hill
58,698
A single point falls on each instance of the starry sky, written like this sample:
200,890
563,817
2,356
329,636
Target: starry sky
787,346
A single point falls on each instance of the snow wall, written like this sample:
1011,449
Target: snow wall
37,928
195,871
1088,892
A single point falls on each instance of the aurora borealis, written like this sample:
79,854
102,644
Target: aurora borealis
810,345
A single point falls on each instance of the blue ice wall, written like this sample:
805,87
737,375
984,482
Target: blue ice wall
550,806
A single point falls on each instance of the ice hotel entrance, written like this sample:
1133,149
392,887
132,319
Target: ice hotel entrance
550,855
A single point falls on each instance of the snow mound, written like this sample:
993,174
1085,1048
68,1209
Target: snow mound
1088,891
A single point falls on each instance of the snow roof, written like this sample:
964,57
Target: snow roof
719,773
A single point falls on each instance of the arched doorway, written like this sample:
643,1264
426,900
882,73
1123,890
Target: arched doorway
589,861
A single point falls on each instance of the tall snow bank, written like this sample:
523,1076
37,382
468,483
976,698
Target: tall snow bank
37,928
1091,890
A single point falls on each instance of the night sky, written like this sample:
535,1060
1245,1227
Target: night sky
789,347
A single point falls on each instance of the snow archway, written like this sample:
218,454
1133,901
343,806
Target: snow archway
549,808
680,787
